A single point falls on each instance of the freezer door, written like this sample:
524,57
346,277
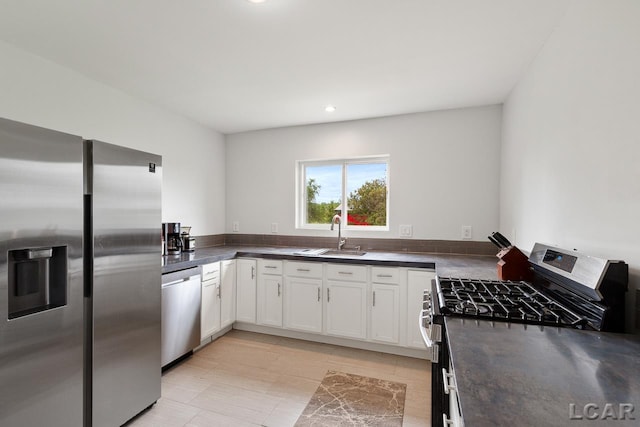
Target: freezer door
41,294
126,294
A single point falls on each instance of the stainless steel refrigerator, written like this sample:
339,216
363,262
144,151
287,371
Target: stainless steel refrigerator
80,279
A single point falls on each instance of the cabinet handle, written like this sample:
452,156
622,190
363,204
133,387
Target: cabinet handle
278,289
328,295
306,270
374,298
345,272
385,275
318,294
219,292
270,266
253,272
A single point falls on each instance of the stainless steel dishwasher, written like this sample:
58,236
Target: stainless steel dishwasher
180,313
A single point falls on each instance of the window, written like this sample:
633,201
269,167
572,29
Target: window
323,185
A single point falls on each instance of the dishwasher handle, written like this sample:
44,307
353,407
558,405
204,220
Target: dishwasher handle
177,282
171,279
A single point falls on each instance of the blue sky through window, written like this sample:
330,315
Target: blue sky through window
329,178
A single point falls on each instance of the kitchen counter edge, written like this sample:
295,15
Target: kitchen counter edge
445,264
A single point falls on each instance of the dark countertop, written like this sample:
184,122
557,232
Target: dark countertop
200,256
527,375
476,266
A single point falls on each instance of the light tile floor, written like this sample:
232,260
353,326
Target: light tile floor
249,379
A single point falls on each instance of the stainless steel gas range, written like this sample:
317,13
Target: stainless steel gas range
569,289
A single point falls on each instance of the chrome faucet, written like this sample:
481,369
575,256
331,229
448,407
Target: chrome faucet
337,220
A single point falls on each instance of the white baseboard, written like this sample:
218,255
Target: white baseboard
208,340
344,342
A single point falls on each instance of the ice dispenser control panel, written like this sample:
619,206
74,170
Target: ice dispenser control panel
37,280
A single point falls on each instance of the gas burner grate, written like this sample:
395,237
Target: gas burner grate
502,300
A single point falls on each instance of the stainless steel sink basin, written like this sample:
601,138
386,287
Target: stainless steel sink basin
343,252
311,252
330,252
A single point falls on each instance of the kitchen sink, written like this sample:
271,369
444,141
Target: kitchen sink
330,252
343,252
311,252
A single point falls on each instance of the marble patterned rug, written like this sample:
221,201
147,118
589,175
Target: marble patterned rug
352,400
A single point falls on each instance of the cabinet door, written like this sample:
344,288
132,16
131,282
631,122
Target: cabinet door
269,300
346,309
209,309
417,282
385,312
228,293
303,304
246,270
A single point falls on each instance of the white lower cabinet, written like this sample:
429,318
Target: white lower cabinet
362,302
218,301
385,313
417,282
269,295
385,305
303,304
303,296
210,301
346,309
246,281
227,293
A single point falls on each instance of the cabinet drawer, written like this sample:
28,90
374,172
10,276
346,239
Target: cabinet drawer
352,273
269,266
303,269
211,271
385,275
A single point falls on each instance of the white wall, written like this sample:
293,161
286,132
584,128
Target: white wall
571,138
42,93
444,171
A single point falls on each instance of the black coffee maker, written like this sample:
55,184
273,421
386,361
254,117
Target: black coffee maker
172,238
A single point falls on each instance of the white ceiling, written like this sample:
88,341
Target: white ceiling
236,66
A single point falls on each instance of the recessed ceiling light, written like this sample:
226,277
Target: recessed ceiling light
329,108
257,1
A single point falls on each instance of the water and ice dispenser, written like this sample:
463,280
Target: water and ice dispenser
37,280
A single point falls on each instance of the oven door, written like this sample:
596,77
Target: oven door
431,329
431,332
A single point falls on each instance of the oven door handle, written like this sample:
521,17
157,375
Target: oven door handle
426,337
424,315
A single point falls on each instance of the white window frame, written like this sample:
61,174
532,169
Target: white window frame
301,188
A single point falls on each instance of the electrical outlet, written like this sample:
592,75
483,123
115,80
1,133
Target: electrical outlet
406,231
466,232
236,226
274,227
